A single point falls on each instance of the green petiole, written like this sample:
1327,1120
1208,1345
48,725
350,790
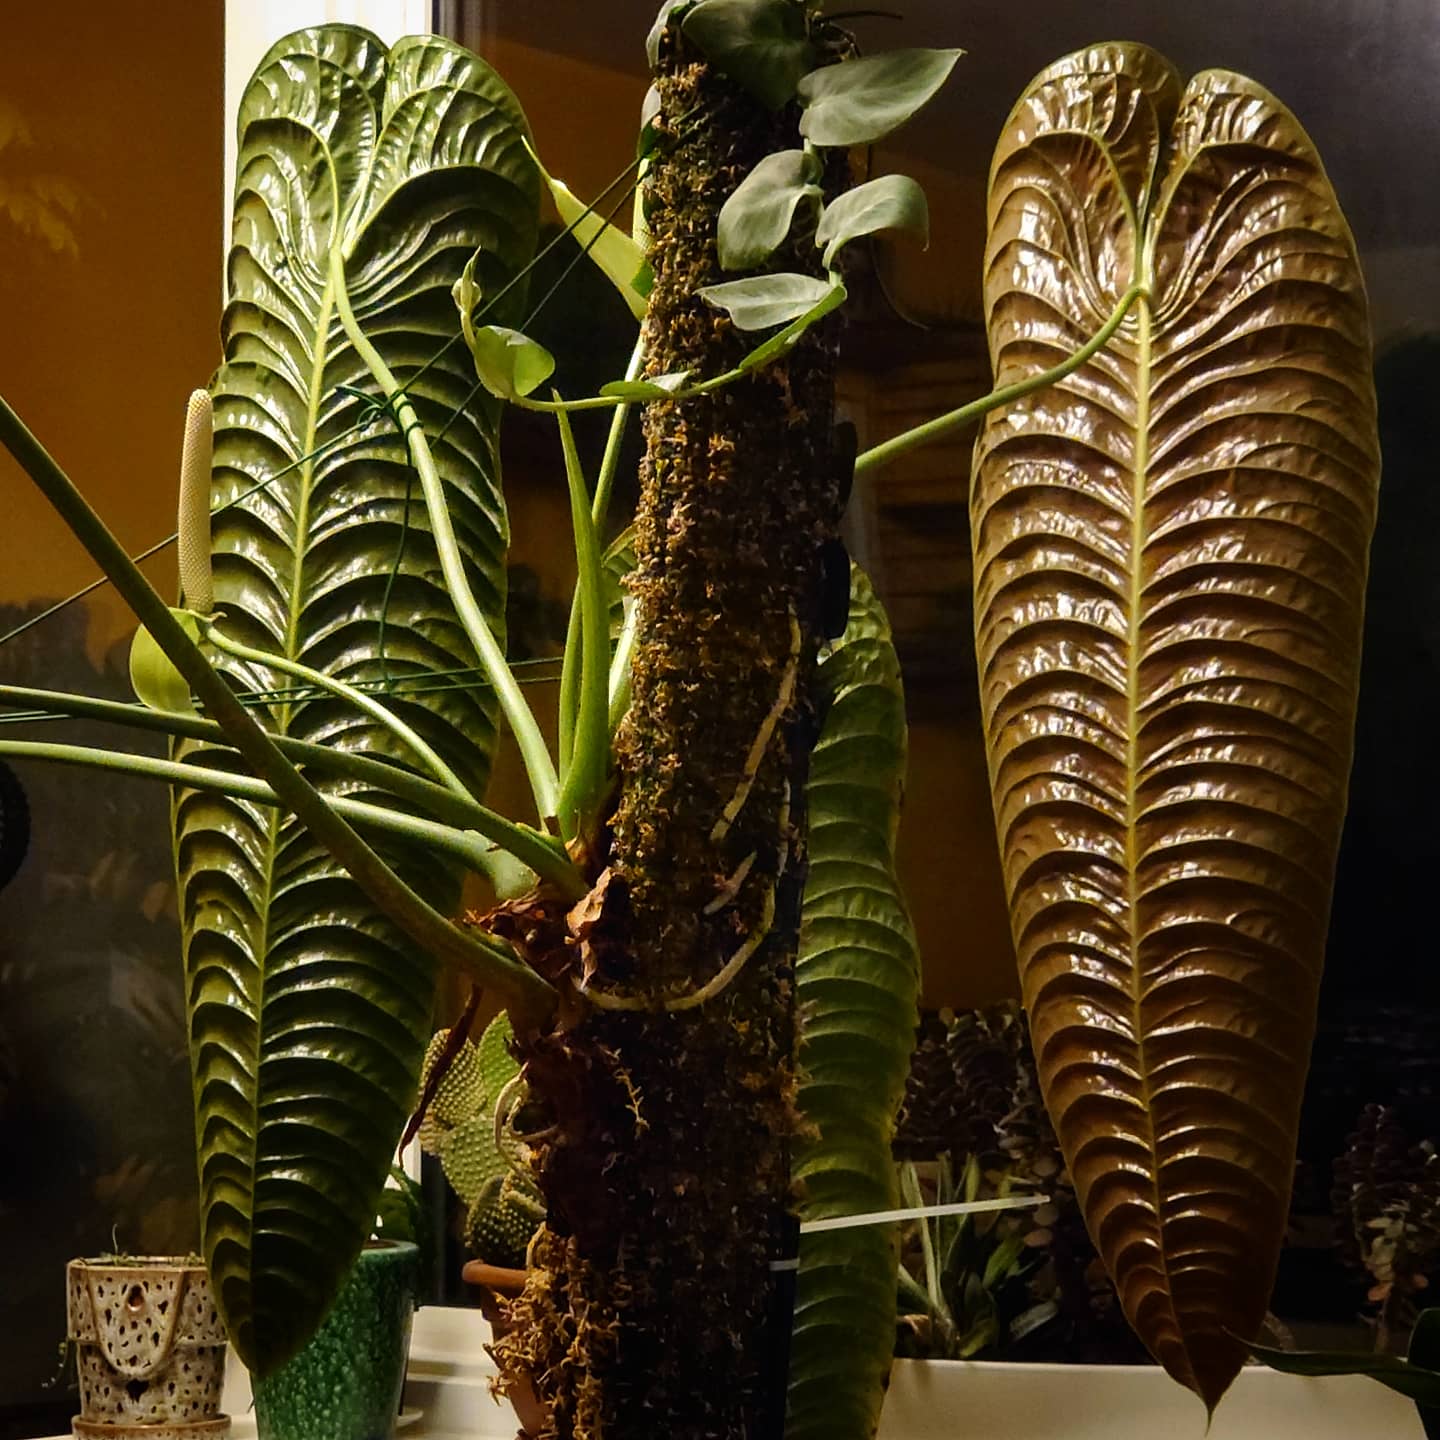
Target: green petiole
533,750
604,487
942,424
358,698
588,770
543,854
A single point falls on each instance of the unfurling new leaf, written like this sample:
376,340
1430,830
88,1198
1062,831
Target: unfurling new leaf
619,258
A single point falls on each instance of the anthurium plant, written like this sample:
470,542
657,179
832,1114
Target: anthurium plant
700,943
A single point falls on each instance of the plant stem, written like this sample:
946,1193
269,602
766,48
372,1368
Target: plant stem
610,461
541,853
910,1192
533,750
589,761
465,845
913,1294
519,986
620,670
604,487
778,345
358,698
943,424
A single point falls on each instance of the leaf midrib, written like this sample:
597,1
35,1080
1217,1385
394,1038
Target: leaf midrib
1146,228
275,820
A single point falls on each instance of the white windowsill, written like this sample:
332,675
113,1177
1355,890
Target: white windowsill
447,1397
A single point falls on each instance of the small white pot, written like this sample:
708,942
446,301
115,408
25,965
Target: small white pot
960,1400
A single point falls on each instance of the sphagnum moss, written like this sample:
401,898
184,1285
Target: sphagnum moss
652,1305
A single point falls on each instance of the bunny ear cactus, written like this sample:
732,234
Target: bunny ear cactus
466,1127
366,179
1170,553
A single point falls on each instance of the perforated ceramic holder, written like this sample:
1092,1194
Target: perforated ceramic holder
151,1349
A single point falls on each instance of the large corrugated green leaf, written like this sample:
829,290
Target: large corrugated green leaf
309,1013
858,980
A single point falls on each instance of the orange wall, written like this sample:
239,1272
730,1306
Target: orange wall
584,117
950,869
100,345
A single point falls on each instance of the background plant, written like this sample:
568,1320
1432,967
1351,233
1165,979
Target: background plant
1020,1284
1387,1202
469,1124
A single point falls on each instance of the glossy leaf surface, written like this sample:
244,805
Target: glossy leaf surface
1405,1377
309,1013
857,982
1170,554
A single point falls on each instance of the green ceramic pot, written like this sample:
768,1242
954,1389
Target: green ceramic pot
345,1384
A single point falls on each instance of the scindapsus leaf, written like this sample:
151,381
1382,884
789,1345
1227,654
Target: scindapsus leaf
859,101
857,979
890,202
755,220
309,1013
1170,553
761,301
657,387
763,45
508,363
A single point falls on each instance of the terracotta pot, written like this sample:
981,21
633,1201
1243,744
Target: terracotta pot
495,1284
150,1348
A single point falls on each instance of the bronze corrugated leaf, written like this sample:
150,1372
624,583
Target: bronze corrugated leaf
1170,552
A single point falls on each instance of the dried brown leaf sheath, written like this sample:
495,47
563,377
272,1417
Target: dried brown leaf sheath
1170,552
